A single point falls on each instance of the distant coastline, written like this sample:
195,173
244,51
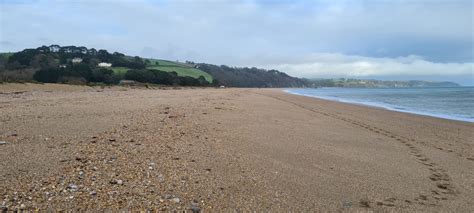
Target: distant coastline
372,83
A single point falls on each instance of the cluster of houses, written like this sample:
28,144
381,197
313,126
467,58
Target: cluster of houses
79,60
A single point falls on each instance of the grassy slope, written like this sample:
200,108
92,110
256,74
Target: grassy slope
180,68
168,66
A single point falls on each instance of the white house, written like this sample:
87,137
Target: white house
103,64
76,60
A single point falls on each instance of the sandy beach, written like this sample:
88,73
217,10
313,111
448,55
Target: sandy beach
93,148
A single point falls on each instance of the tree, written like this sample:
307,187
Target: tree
101,75
215,82
50,75
44,61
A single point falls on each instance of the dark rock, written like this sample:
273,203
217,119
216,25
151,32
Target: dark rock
364,203
118,182
81,159
195,209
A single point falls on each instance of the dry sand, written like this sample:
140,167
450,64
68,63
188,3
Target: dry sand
77,147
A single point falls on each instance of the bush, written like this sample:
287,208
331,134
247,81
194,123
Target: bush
142,76
72,80
101,75
51,75
22,75
165,78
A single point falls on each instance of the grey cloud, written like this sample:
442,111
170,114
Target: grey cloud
249,32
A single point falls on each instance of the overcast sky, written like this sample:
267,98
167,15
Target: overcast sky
382,39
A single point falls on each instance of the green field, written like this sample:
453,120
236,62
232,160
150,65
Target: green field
180,68
163,62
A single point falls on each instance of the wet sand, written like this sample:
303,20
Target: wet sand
78,147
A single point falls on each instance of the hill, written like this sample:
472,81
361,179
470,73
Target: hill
71,64
251,77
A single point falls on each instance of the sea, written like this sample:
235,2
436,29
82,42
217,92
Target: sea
454,103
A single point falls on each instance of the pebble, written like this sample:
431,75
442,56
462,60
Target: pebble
175,200
72,187
3,142
93,193
81,173
118,182
11,134
161,178
195,209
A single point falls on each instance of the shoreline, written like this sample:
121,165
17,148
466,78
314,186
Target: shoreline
381,106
